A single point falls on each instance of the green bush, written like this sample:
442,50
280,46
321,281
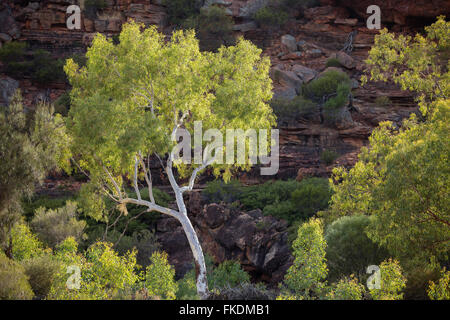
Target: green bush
271,16
93,6
39,65
32,204
12,51
62,104
13,280
341,98
311,196
349,249
292,109
25,244
333,62
327,84
160,277
179,10
228,274
328,156
217,191
213,26
55,225
41,272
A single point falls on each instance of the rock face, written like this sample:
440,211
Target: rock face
258,242
397,11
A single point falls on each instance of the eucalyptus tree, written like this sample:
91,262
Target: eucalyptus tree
131,101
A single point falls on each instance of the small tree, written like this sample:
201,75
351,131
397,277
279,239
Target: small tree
392,282
160,277
132,99
305,279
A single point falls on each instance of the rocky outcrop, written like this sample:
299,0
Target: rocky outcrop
401,12
258,242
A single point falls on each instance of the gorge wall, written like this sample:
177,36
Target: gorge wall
298,51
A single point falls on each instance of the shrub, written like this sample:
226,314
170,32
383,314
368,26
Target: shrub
179,10
383,101
333,62
259,196
53,226
292,109
341,98
93,6
46,68
214,28
160,277
244,291
392,282
441,289
13,280
41,272
346,289
32,204
349,250
271,16
228,274
12,51
218,190
311,196
62,104
328,157
327,84
305,278
25,244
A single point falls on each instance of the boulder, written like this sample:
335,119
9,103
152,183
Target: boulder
287,78
289,42
8,87
344,59
304,73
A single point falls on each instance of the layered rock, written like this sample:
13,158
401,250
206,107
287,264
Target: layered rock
258,242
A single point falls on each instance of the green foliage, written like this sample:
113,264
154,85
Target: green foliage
441,289
12,51
418,64
213,27
402,180
31,145
305,278
346,289
45,68
349,250
54,226
104,274
293,109
341,98
311,196
271,16
327,84
41,271
25,244
40,65
93,6
289,200
383,101
328,156
228,274
14,282
392,282
62,104
110,117
333,62
160,277
179,10
217,191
